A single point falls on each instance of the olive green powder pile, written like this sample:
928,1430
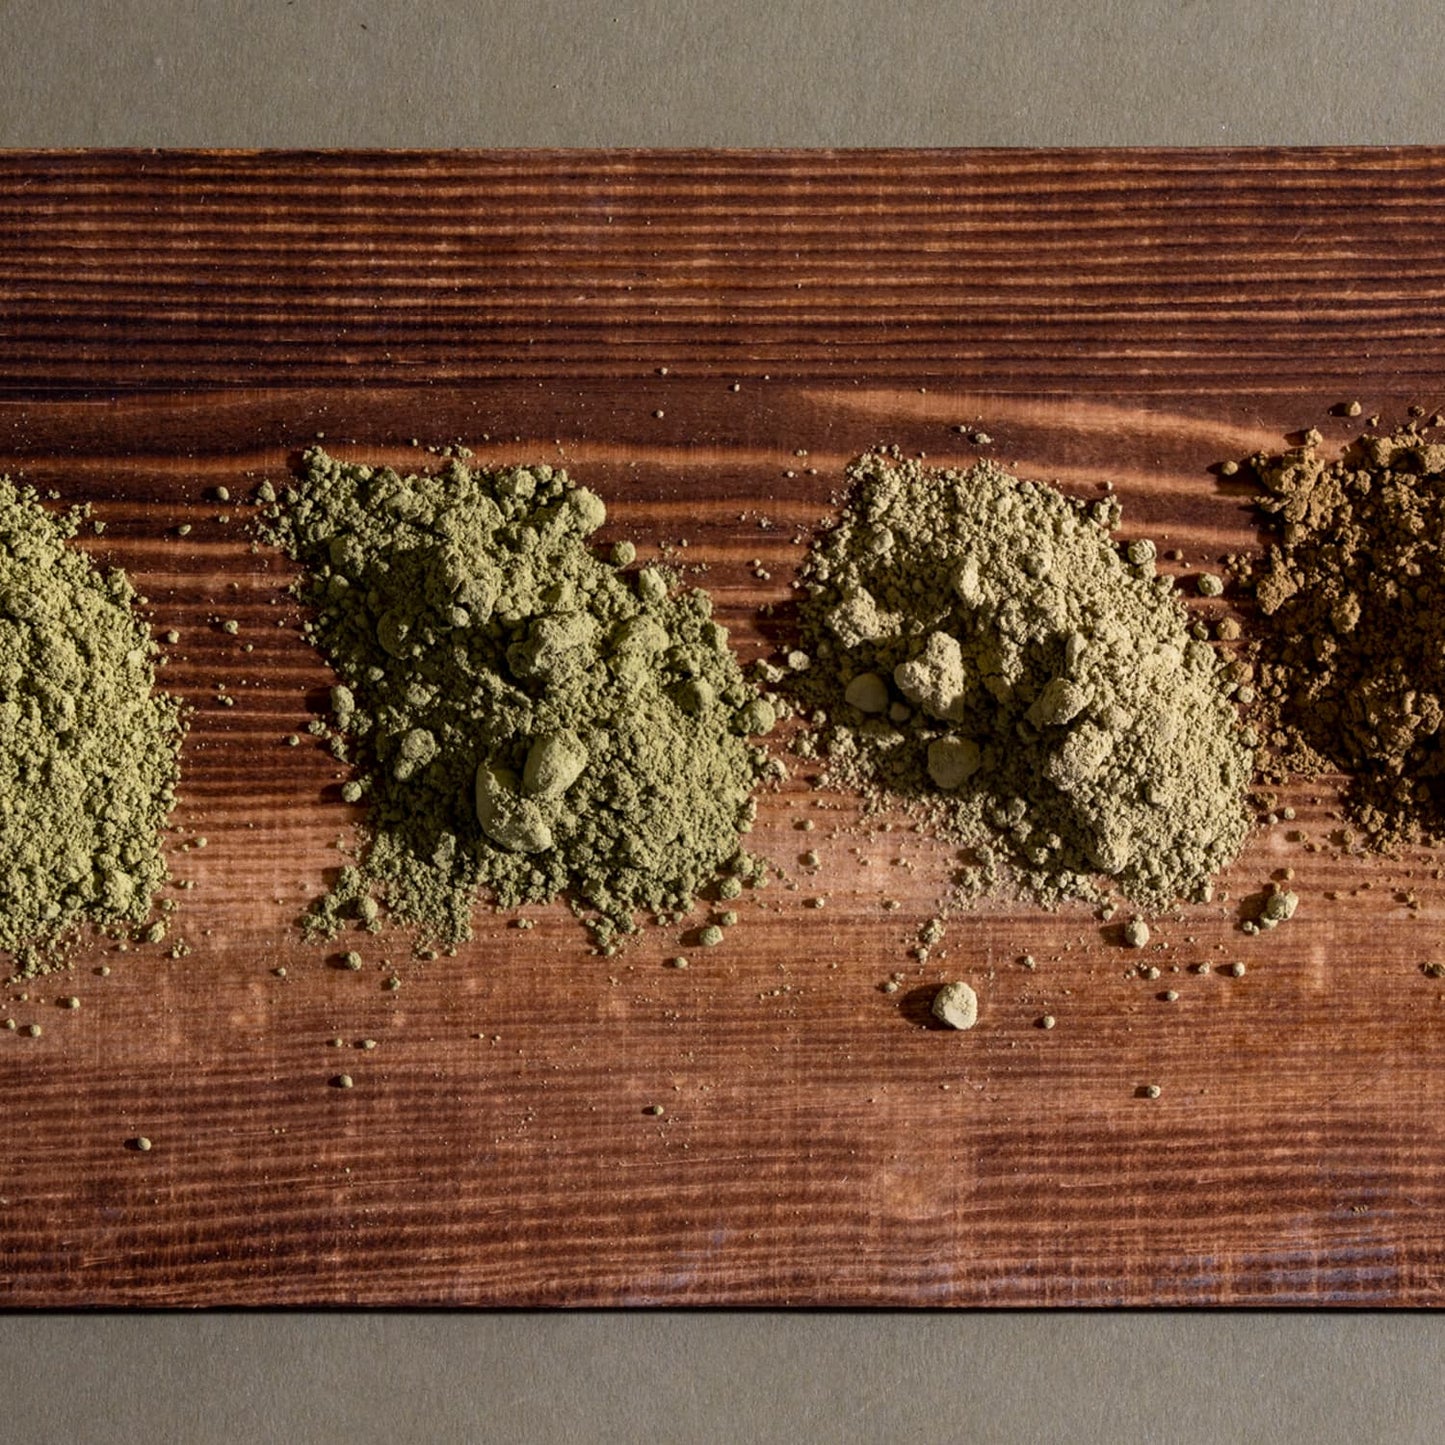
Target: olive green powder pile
526,719
88,750
984,651
1352,663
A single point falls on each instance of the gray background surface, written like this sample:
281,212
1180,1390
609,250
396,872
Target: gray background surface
814,73
729,72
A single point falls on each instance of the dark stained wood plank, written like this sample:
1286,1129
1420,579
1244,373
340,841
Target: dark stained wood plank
172,323
122,271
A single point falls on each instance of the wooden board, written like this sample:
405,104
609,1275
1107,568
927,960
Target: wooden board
172,323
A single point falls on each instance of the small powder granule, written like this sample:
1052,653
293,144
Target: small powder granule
88,748
1351,668
529,720
1136,933
956,1004
984,653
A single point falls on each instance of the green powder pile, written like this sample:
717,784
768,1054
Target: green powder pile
527,719
88,751
1352,664
983,651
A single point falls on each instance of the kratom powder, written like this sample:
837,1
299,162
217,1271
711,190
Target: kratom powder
527,718
88,749
1351,667
985,653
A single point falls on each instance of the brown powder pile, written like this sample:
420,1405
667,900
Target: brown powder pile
1351,666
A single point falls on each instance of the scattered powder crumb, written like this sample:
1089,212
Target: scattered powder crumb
1279,907
1136,933
956,1004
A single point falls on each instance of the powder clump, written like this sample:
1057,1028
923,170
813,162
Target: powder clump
985,653
88,749
956,1005
531,720
1351,668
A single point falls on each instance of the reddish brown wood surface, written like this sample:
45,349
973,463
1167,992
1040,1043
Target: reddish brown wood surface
173,323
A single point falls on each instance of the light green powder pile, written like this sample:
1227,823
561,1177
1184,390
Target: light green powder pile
88,751
526,719
984,651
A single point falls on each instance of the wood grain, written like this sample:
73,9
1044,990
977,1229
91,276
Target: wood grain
176,322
